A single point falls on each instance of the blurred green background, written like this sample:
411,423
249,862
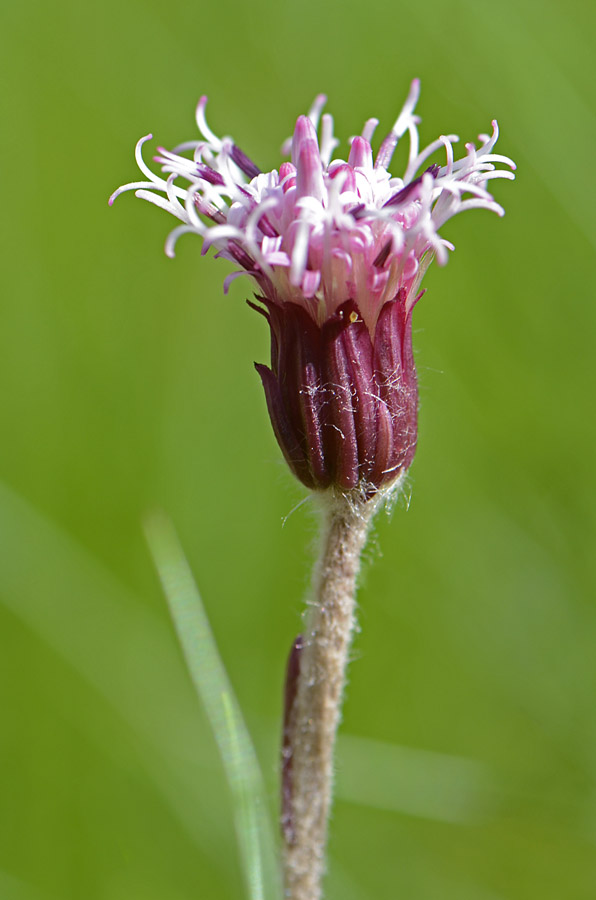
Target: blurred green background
467,768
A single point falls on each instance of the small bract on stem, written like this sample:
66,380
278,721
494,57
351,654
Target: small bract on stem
336,249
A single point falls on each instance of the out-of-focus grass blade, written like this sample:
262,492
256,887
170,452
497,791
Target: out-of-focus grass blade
257,846
69,600
414,782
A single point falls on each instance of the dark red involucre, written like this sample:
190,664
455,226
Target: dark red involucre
343,405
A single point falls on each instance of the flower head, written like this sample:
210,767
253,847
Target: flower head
337,249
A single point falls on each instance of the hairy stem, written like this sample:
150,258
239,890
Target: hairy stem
316,678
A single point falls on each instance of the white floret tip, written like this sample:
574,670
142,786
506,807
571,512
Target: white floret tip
320,231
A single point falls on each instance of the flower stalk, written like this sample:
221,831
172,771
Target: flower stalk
316,679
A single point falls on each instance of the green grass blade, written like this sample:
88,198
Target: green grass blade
257,846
